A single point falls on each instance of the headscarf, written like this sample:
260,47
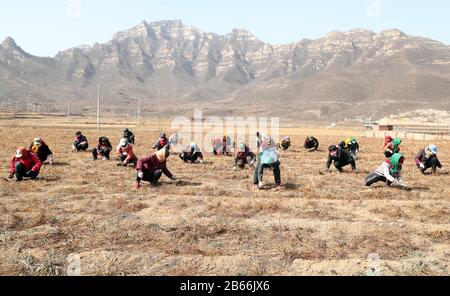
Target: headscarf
396,163
162,155
397,143
242,147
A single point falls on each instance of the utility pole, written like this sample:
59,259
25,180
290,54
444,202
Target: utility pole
98,107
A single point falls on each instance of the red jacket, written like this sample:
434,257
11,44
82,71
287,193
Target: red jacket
150,164
242,155
30,161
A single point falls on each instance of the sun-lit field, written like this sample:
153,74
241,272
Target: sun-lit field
212,222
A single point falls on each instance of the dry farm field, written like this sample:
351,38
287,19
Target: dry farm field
212,222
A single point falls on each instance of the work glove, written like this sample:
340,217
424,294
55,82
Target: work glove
125,162
50,159
422,165
141,175
201,161
398,183
174,178
29,173
11,175
234,168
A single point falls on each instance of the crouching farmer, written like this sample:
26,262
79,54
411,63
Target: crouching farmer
311,144
285,144
151,168
25,164
341,158
244,156
126,153
268,158
391,146
388,172
103,149
41,149
162,142
80,143
427,158
192,153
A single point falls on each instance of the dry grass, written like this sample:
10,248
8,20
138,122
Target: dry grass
213,223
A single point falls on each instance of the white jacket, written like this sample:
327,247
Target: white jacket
385,171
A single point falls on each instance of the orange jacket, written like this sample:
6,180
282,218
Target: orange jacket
130,152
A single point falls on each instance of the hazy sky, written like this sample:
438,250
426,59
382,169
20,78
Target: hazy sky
45,27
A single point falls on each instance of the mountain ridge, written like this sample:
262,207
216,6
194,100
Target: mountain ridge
168,61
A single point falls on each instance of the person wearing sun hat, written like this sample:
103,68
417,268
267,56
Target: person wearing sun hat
151,168
126,153
427,158
389,172
25,164
41,149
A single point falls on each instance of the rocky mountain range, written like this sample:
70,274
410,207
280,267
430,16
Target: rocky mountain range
173,67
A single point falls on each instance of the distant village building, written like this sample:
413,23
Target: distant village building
383,128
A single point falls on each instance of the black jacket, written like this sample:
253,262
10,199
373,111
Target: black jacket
43,152
341,156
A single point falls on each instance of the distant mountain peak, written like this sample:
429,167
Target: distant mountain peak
242,34
393,33
167,23
9,43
